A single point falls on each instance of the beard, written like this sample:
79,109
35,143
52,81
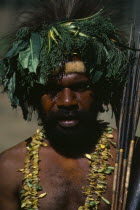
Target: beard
75,141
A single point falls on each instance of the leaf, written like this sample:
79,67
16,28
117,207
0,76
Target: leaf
38,131
110,132
21,170
109,170
82,34
41,80
23,205
93,203
17,47
97,76
53,37
106,52
105,200
25,58
22,191
29,184
29,58
49,42
109,136
100,170
56,32
39,187
88,156
102,182
44,144
42,195
102,146
11,87
108,146
69,25
26,202
1,69
109,129
35,45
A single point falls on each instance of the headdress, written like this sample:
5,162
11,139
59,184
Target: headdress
42,44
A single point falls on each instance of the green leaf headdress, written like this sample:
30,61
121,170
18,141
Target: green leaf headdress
38,51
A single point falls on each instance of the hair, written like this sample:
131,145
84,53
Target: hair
106,64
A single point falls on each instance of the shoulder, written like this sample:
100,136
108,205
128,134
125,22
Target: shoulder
13,155
11,161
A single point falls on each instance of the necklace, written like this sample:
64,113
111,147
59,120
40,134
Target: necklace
99,168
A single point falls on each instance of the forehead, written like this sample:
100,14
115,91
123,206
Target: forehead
68,79
72,78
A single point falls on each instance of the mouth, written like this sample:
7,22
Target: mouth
68,123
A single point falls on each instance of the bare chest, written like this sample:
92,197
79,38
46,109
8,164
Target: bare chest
63,182
63,186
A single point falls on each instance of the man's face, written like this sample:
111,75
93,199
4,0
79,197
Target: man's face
71,94
69,107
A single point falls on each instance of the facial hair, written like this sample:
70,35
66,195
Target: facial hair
72,142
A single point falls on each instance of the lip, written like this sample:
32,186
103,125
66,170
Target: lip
68,123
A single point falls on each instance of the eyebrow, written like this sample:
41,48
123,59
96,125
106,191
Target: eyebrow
84,82
76,82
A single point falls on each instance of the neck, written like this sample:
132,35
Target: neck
72,149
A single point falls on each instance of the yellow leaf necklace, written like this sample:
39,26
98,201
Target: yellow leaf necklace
99,168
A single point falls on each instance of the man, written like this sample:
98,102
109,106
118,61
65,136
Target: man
66,70
63,167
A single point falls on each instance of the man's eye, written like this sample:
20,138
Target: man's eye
80,87
54,89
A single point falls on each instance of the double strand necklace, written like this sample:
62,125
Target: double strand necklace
99,168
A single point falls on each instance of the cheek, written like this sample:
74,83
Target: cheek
87,100
47,103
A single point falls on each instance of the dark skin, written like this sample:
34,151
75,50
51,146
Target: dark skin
60,176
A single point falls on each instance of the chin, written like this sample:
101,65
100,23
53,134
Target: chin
70,136
73,141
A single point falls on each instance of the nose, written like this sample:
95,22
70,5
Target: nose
67,100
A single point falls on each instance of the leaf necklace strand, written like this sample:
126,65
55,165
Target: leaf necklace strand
99,168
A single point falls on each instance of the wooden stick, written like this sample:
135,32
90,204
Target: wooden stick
114,186
118,178
130,127
121,194
122,131
135,122
131,151
124,142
